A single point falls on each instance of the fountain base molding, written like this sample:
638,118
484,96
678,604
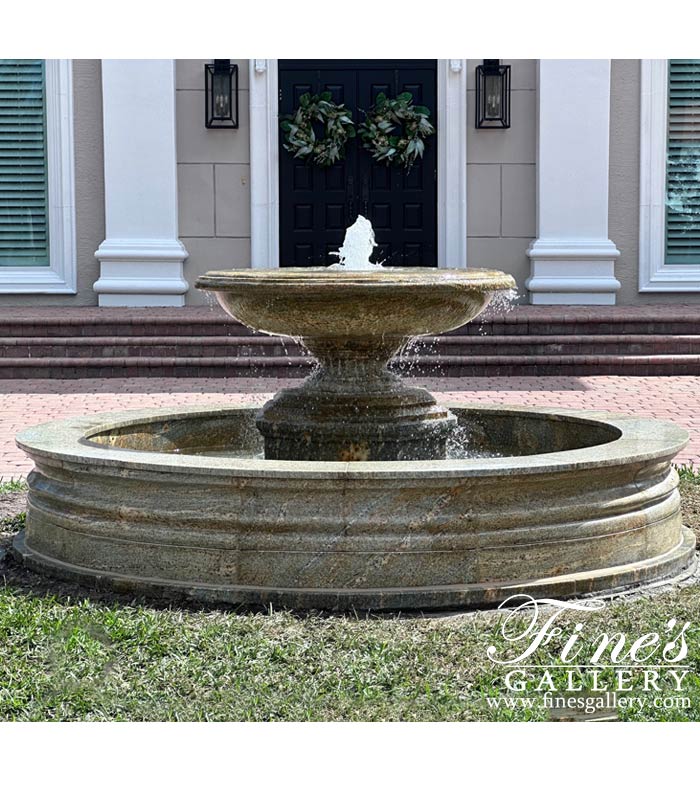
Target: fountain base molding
354,409
675,564
310,424
178,503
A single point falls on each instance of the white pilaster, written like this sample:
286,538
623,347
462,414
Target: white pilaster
141,258
452,162
264,164
572,259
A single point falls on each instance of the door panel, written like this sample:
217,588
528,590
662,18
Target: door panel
317,204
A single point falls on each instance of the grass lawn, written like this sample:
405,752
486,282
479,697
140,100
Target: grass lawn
72,654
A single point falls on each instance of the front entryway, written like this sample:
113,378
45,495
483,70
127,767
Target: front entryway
317,204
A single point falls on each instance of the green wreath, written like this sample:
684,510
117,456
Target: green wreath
394,130
300,139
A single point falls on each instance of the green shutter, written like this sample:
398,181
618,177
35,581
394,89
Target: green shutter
683,163
24,232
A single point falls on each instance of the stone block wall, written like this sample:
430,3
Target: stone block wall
501,179
213,179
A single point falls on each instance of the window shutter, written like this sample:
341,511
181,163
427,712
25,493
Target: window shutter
24,234
683,163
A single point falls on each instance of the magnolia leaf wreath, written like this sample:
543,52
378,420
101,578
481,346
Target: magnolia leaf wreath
394,130
300,138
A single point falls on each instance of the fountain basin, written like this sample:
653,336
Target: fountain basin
328,304
179,503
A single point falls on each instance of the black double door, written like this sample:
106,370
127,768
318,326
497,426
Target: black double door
317,204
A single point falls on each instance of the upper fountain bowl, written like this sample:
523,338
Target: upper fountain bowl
328,302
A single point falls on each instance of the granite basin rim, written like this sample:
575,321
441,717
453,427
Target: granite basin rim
323,278
67,441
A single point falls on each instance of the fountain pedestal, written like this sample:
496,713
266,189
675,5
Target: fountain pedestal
353,409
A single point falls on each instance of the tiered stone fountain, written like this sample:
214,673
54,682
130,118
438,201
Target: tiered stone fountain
353,319
356,502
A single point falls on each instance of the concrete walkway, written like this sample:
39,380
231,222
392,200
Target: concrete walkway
29,402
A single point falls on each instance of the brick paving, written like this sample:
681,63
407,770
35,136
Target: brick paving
29,402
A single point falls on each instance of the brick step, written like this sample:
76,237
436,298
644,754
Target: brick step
526,321
297,366
682,326
107,328
149,366
529,340
191,347
232,329
521,365
146,346
616,344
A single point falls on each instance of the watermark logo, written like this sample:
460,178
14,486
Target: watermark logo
578,671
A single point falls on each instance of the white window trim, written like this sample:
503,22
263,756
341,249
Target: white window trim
654,274
60,276
452,163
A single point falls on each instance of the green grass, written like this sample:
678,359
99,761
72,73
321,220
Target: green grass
12,485
688,473
12,525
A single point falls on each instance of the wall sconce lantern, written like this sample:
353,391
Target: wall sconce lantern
493,94
221,94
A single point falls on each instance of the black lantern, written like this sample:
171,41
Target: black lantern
221,94
493,94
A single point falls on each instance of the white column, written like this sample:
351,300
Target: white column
572,259
452,163
141,257
264,164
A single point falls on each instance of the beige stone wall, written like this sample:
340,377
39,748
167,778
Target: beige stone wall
215,199
213,179
213,174
501,179
625,109
89,189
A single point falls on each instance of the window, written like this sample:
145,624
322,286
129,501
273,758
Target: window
37,239
669,251
683,163
24,224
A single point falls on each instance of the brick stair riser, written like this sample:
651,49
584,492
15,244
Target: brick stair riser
260,349
437,366
263,346
568,370
278,352
453,372
578,328
121,329
687,325
524,346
